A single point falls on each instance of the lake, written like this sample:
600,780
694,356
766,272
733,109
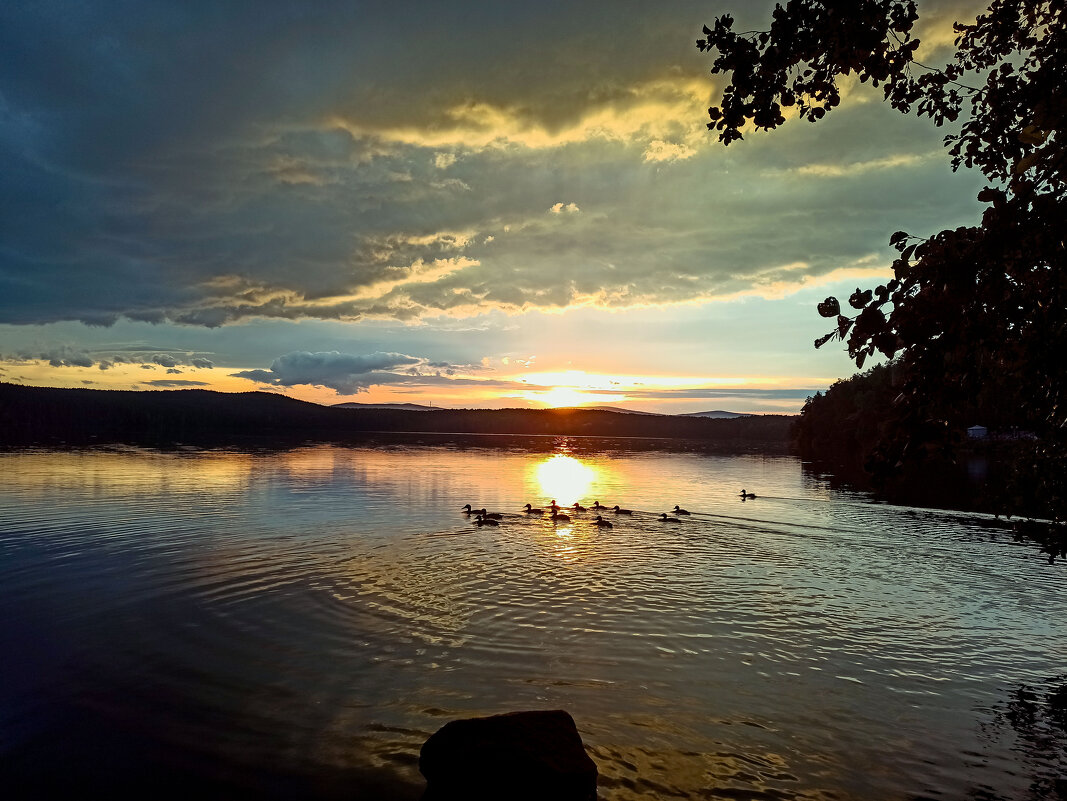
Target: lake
292,623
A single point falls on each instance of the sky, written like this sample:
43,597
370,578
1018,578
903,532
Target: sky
458,204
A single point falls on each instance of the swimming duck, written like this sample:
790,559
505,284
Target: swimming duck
493,516
579,508
664,519
560,518
596,505
485,521
531,511
619,511
679,511
747,495
554,506
601,522
467,510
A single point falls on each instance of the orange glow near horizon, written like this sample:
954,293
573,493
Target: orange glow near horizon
558,397
579,388
544,389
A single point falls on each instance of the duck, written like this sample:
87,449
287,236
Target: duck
467,510
601,522
493,516
664,519
554,506
619,511
579,508
485,521
531,511
596,505
680,511
747,494
560,518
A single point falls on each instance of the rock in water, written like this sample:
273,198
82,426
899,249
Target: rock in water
524,756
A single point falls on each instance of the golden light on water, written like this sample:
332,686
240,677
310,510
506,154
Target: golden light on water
565,479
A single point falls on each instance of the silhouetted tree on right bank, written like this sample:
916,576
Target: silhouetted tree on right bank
974,312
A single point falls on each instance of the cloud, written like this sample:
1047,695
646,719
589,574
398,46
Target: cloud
716,393
354,167
66,356
343,372
658,150
890,162
349,374
443,161
174,382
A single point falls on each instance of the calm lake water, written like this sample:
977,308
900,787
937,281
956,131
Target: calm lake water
280,624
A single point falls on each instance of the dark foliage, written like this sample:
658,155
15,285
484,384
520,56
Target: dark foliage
38,415
843,426
1037,718
976,317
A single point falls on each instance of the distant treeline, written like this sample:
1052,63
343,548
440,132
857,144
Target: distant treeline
46,416
853,431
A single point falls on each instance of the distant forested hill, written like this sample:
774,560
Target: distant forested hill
39,415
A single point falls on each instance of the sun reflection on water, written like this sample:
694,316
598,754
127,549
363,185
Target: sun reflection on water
565,478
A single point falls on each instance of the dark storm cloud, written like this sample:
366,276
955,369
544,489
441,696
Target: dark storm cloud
173,383
206,163
348,374
344,372
66,356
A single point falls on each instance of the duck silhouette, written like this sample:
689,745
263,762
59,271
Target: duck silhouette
619,511
467,510
485,521
679,511
664,519
579,508
747,495
557,517
531,511
601,522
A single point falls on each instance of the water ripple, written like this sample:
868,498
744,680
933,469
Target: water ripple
327,609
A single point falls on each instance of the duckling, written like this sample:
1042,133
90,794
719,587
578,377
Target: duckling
601,522
596,505
560,518
619,511
531,511
747,495
467,510
679,511
485,521
664,519
554,506
579,508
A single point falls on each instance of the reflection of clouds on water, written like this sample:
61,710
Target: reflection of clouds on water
334,605
125,472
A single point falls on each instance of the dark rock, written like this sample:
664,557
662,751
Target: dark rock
520,755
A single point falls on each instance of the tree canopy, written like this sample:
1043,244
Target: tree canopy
975,312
